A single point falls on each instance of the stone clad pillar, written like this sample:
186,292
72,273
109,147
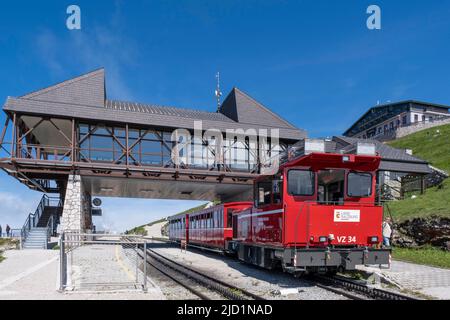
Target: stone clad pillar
76,215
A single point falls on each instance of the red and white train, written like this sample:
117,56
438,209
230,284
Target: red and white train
318,213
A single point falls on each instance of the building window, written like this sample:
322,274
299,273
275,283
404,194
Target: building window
404,120
416,118
423,118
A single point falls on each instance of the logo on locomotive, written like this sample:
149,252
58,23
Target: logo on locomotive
346,215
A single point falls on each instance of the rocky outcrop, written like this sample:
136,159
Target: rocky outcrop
432,230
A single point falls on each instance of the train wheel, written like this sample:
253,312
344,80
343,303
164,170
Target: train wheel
298,274
331,272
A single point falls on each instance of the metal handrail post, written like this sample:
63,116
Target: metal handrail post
137,262
145,266
62,273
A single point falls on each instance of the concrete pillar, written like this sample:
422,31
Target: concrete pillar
76,215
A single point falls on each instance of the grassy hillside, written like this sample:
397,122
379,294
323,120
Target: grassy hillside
200,207
434,147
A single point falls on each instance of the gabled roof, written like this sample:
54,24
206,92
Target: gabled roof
87,89
396,160
244,109
84,97
168,111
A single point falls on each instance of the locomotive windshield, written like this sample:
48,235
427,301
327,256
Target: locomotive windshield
330,186
301,183
359,184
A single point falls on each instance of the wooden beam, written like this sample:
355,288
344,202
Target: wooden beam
31,130
4,130
13,154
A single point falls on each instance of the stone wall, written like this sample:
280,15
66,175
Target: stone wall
432,230
77,207
404,131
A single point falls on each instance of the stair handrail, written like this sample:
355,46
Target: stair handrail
33,218
50,227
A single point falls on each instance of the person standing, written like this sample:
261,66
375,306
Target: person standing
8,229
387,232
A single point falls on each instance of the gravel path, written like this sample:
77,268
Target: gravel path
262,282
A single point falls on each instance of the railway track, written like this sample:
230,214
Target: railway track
347,287
355,290
190,279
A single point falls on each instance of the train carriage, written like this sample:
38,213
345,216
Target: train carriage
210,227
179,227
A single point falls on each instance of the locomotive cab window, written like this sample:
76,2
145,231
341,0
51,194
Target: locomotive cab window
301,182
359,184
263,193
330,186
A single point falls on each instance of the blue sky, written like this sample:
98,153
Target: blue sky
313,62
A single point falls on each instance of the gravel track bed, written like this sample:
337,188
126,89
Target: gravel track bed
265,283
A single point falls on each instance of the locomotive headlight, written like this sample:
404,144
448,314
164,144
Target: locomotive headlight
322,239
331,236
374,239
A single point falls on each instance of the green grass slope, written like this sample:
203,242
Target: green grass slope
432,145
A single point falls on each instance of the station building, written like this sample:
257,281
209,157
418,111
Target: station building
394,120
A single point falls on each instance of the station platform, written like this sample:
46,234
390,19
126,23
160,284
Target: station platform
34,275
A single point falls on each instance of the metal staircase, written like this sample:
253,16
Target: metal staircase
41,225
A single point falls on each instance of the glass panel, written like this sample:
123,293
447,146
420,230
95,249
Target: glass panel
301,183
167,136
151,159
133,133
119,132
151,146
84,129
151,136
102,131
359,184
101,142
331,186
101,156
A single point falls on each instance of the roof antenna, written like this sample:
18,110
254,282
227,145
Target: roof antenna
218,92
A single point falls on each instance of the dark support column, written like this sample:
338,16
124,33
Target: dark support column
73,158
127,145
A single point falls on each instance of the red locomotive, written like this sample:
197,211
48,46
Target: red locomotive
318,213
